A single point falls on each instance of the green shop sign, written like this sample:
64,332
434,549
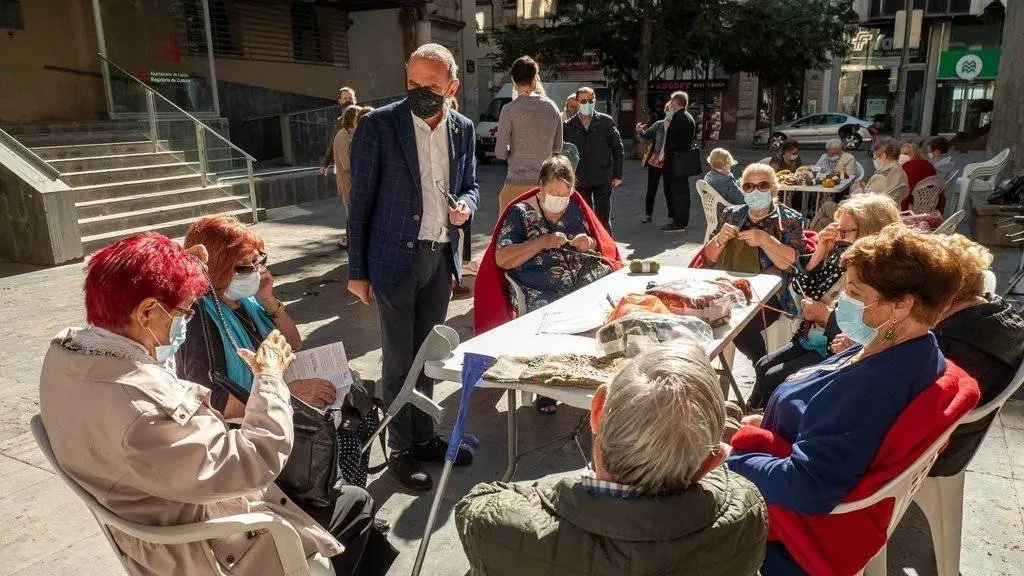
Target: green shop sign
968,64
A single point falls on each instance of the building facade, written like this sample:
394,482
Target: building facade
954,52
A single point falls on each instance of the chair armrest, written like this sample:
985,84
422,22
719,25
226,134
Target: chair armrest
286,539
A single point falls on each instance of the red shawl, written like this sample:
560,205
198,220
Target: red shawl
842,544
491,303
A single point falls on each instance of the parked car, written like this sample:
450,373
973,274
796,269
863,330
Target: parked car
487,128
819,129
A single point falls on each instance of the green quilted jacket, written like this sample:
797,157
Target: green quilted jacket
560,528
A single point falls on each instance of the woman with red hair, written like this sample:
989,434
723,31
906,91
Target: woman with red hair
145,443
241,309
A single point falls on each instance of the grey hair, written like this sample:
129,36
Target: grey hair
834,143
663,417
438,53
890,147
765,169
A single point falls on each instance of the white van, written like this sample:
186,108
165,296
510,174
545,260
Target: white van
487,128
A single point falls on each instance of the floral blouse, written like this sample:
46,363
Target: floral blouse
552,273
782,223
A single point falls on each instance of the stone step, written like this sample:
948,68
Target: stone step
138,146
157,215
72,138
171,229
86,163
136,202
19,128
131,173
133,187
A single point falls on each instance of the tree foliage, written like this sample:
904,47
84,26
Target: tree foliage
774,39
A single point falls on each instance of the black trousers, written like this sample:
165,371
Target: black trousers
599,198
750,341
677,194
773,369
653,177
367,551
407,312
467,240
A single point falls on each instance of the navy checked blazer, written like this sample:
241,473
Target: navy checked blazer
386,203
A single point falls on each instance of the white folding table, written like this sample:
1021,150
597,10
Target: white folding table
841,186
522,337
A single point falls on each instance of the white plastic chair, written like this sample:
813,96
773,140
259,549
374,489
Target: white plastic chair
860,172
951,223
286,539
981,177
925,196
518,295
897,193
765,160
947,186
902,490
710,199
941,498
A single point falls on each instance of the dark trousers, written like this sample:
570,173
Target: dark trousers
367,552
677,195
773,369
600,199
750,341
653,177
407,312
467,241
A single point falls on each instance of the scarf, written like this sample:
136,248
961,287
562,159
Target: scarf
238,370
102,342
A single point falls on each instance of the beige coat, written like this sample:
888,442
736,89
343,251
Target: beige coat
150,448
886,179
343,162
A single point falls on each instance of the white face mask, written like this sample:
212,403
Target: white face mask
904,158
555,204
243,286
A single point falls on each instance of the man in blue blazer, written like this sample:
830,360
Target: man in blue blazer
413,184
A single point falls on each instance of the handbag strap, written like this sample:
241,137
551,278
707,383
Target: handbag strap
378,404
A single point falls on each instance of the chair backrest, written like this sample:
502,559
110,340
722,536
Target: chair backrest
996,403
897,192
710,199
765,160
987,170
437,346
902,488
925,196
103,516
860,172
947,185
949,226
517,294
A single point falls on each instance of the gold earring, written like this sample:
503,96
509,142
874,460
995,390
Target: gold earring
890,332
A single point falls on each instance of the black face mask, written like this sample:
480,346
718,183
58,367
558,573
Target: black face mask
424,102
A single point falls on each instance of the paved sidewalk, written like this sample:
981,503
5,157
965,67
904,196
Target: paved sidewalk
46,531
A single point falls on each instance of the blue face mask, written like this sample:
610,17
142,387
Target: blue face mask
850,318
587,109
177,335
758,200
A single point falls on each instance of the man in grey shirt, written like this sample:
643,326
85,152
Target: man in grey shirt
529,131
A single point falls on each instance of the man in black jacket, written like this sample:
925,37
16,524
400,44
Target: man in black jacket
678,140
600,169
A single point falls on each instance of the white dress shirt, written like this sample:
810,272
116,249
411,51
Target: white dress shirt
432,152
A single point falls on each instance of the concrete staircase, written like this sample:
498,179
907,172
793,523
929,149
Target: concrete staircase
122,186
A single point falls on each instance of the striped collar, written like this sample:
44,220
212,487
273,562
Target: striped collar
595,486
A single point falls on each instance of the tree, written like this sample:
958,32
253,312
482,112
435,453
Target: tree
785,38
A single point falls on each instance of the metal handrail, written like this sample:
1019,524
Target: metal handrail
201,130
178,108
29,156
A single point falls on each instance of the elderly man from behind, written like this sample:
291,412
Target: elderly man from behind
658,502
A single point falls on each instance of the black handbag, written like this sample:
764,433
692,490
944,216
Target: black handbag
361,414
311,474
687,163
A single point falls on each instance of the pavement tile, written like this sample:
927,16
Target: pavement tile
1012,414
90,556
16,475
992,456
1015,446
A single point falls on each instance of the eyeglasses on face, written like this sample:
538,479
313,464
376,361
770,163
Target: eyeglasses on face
186,313
762,186
256,266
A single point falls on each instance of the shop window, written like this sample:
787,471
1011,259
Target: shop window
10,15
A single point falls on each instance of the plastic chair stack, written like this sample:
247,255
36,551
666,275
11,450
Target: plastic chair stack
981,177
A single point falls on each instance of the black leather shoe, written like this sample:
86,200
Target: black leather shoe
381,525
435,449
404,466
